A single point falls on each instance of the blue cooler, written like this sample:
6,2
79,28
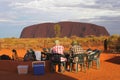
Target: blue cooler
39,69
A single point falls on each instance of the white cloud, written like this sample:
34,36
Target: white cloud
29,12
6,20
57,10
52,5
71,7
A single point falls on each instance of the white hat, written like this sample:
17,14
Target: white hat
57,42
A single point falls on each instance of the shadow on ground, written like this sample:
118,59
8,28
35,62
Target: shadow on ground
115,60
9,71
30,76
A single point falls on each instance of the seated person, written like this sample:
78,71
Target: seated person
58,49
76,49
44,54
14,55
30,55
31,51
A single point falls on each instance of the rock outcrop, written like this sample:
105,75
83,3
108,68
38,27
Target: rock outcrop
66,29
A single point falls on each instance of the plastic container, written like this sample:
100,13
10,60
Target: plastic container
38,67
22,69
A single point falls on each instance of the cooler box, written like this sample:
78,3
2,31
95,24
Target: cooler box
22,69
38,67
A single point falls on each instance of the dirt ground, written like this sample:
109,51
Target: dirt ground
109,70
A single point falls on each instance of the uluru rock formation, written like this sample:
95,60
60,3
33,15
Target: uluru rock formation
64,29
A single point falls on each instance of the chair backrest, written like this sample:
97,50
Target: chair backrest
91,56
95,55
55,58
80,58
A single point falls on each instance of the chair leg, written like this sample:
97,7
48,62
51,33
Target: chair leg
76,67
70,67
89,64
98,63
61,67
64,66
84,65
81,66
52,67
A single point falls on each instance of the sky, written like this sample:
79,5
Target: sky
17,14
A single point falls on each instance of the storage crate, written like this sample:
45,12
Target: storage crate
22,69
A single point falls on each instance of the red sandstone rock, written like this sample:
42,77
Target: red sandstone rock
68,29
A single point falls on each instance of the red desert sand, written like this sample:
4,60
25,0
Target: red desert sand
109,69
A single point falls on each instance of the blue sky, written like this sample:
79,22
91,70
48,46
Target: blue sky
17,14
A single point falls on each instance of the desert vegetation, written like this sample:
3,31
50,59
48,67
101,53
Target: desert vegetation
114,43
39,43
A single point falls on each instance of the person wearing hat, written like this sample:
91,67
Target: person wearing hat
76,49
58,49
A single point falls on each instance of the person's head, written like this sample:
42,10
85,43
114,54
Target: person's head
14,51
27,51
74,43
31,50
45,49
57,42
